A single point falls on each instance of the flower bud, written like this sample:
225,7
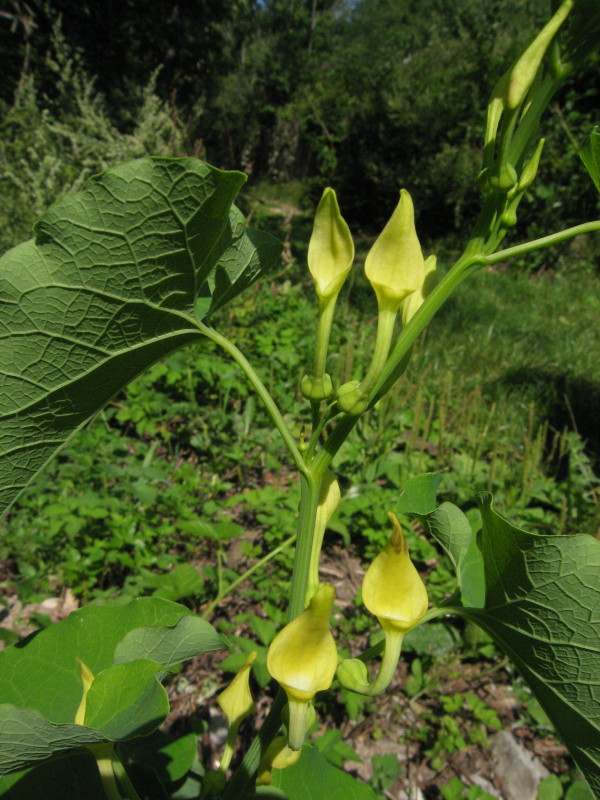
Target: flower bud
394,265
331,249
87,679
277,756
351,398
303,659
352,674
236,700
530,169
414,301
525,69
316,389
392,588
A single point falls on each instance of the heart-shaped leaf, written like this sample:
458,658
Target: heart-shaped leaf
109,286
126,648
543,610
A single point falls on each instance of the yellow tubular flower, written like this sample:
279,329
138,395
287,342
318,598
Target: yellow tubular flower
392,588
302,658
331,249
236,703
236,700
395,266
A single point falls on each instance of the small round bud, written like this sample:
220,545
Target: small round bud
316,389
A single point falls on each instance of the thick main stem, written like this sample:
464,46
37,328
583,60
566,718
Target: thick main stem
310,489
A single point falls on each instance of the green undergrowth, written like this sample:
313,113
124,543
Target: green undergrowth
499,396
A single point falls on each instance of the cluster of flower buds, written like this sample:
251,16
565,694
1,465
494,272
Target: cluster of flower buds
303,657
512,121
398,273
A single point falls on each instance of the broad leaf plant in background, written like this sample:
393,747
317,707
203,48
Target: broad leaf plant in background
134,266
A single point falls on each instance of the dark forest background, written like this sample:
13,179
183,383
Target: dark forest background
366,96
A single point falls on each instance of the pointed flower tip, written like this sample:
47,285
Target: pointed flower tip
331,248
236,700
523,73
392,588
395,266
302,658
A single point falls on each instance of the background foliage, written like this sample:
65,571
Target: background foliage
183,467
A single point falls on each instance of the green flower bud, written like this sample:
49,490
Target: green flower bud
503,178
392,588
523,73
316,388
351,399
302,658
213,784
236,700
352,674
530,169
414,301
331,249
509,215
395,266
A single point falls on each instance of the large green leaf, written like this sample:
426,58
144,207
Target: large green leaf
590,155
125,647
312,777
74,777
543,609
108,286
26,736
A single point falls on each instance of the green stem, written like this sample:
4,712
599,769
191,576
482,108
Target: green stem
538,244
123,779
103,753
326,309
232,733
298,711
418,323
260,390
260,563
383,342
310,489
389,662
333,443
